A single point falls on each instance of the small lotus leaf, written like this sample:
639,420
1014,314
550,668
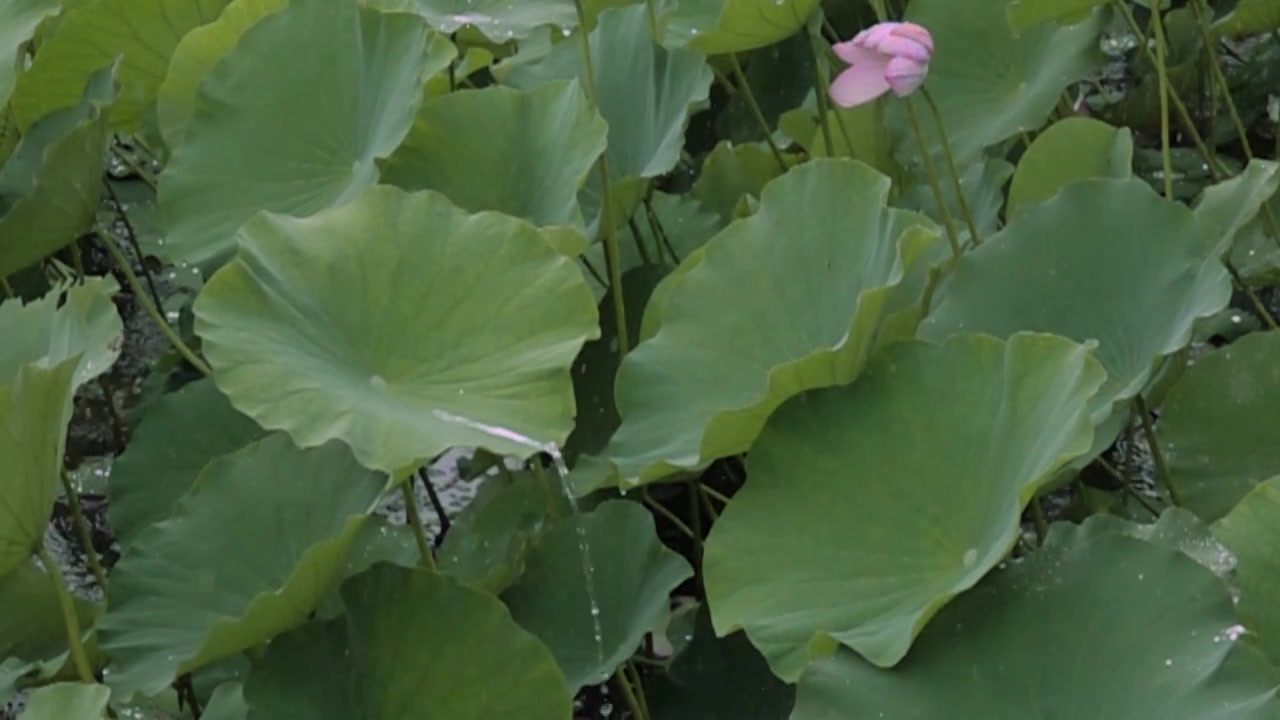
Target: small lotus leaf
67,701
732,172
195,56
1068,151
226,703
249,553
1217,426
1089,626
488,543
631,580
807,315
988,82
730,26
143,33
525,154
178,436
840,533
1104,260
385,658
18,21
1252,532
73,321
1227,207
1249,17
358,97
49,186
346,325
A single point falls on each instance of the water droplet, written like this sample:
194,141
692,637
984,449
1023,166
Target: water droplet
378,382
970,557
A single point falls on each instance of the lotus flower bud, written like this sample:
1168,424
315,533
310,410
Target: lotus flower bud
887,56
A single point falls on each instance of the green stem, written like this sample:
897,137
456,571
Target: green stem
83,533
638,684
745,86
706,502
552,496
932,174
131,234
143,174
427,558
69,618
141,296
7,288
1162,75
613,254
820,87
1256,301
640,248
633,702
951,166
671,517
724,499
1128,486
1042,524
1157,457
655,224
653,18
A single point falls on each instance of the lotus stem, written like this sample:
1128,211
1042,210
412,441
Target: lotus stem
669,516
82,531
628,693
653,18
6,288
1256,301
612,253
1157,457
69,618
1041,523
551,496
745,87
951,166
131,234
724,499
1162,74
141,296
427,558
639,240
1128,486
821,88
932,173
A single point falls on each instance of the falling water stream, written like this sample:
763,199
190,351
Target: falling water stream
562,471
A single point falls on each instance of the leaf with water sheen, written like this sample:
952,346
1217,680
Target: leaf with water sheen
525,154
385,659
646,92
346,325
1088,626
806,316
50,185
67,701
249,553
1217,426
142,32
862,516
1252,532
1068,151
358,89
498,20
730,26
1104,260
633,575
178,436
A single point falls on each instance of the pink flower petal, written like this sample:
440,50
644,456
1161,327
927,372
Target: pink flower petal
873,36
905,47
859,84
905,75
915,32
855,54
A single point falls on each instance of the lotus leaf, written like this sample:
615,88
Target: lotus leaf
1216,428
1147,631
18,21
31,629
383,658
1248,17
73,321
358,97
1069,151
249,553
633,575
838,536
498,20
67,701
702,387
730,26
1252,532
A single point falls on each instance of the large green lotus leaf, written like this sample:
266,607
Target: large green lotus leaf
377,541
719,679
1217,426
67,701
1025,13
714,27
702,387
142,33
346,325
1225,208
646,92
357,90
18,22
1104,260
498,20
632,577
180,434
990,83
1249,17
50,185
1089,626
34,411
1068,151
32,632
1176,529
847,532
1252,532
195,56
521,153
383,660
70,321
249,553
487,544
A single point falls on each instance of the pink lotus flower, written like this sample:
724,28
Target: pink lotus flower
887,56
